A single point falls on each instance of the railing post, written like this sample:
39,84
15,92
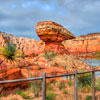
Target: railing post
93,85
44,86
75,86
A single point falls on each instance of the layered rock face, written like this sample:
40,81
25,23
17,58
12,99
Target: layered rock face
84,44
30,46
53,34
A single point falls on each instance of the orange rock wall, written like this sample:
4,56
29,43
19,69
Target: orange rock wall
84,44
30,46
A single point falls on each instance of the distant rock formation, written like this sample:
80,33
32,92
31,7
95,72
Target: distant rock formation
84,44
80,45
30,46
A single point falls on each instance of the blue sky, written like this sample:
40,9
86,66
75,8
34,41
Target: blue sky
19,17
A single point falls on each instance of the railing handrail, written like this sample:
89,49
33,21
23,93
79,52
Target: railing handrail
40,78
44,77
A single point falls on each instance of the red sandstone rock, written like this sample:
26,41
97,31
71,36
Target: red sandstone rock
85,44
82,44
53,34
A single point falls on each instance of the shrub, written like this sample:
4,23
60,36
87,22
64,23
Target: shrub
12,99
84,80
54,82
65,91
23,95
97,85
65,67
22,55
61,85
96,53
50,96
88,97
70,83
9,52
36,87
49,86
49,54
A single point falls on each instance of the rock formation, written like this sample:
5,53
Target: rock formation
84,44
80,45
30,46
53,34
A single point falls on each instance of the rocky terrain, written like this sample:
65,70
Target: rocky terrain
30,46
35,61
82,45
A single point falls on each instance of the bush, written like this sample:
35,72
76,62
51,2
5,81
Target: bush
65,67
97,85
49,54
49,86
88,97
50,96
84,80
70,83
9,52
23,95
22,55
61,85
36,87
65,91
12,99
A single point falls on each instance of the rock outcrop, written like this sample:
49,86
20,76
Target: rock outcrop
84,44
30,46
80,45
53,34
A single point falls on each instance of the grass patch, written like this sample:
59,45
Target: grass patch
65,91
24,95
50,95
61,85
88,97
97,85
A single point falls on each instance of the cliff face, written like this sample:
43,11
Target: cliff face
30,46
84,44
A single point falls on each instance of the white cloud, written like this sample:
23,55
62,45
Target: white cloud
21,16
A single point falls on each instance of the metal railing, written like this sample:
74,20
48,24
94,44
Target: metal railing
44,77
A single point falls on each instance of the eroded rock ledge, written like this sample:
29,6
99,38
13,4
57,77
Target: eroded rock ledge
84,44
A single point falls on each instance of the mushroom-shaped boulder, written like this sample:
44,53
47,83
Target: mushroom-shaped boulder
53,34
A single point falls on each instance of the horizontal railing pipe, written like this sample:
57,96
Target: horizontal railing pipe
63,75
47,77
20,80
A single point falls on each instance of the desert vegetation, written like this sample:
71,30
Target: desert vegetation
9,53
